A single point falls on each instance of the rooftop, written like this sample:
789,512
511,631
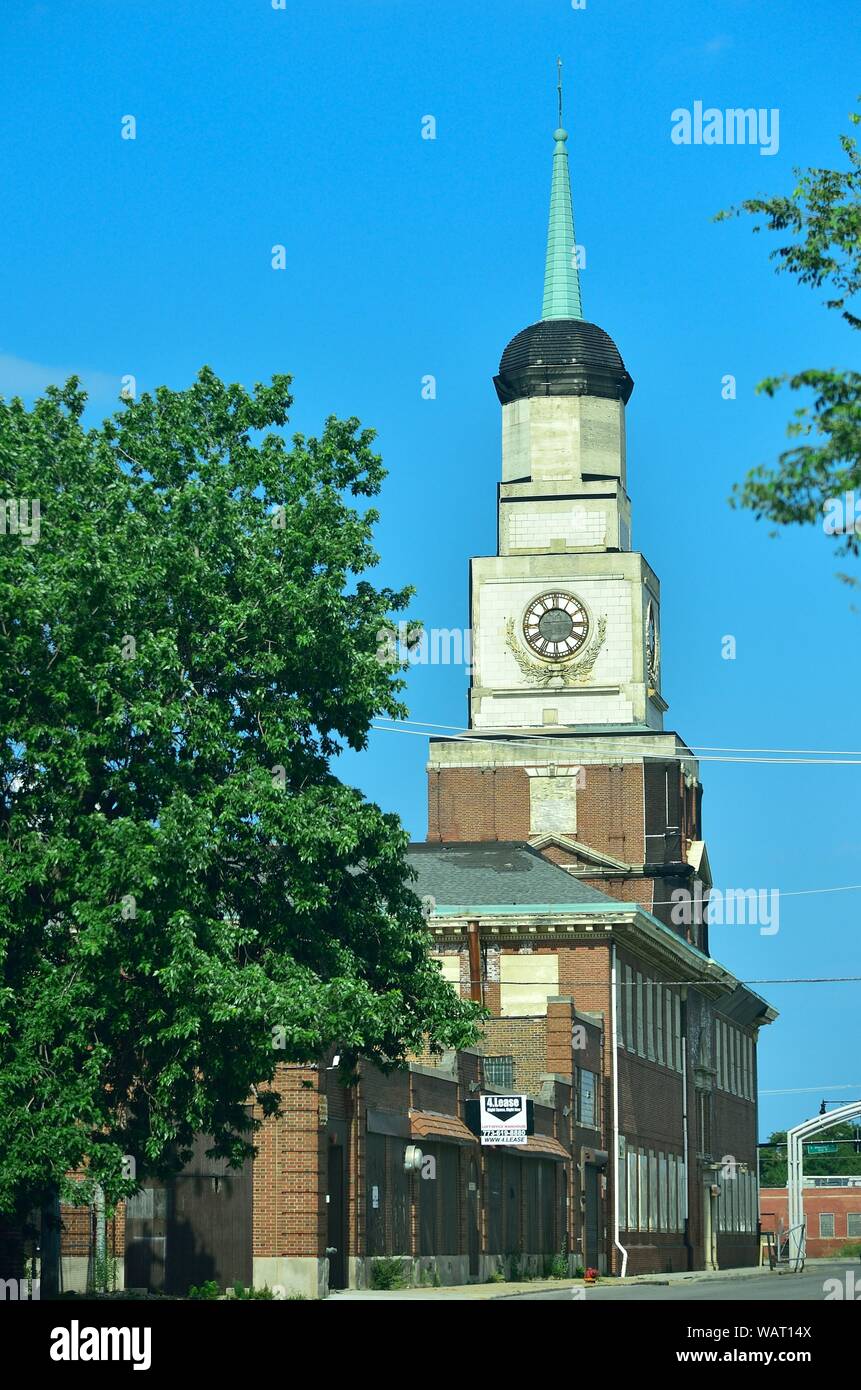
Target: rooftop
495,872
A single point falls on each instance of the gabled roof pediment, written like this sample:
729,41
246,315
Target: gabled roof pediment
582,852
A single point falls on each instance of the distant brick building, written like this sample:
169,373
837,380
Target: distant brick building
832,1212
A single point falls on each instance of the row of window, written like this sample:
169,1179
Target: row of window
827,1226
738,1205
734,1060
650,1022
652,1190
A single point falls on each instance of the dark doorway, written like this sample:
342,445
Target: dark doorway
336,1228
473,1209
146,1238
196,1227
592,1224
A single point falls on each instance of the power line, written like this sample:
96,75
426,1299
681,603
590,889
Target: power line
705,747
781,892
814,1090
516,740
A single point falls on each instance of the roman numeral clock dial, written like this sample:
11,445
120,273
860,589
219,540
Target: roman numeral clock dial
555,626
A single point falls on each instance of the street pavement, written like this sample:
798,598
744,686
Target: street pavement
763,1287
721,1286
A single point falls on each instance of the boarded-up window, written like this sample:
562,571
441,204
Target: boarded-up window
450,968
663,1213
629,1008
673,1194
682,1175
526,983
632,1190
650,1021
553,805
644,1191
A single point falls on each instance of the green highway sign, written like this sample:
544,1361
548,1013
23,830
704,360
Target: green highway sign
822,1148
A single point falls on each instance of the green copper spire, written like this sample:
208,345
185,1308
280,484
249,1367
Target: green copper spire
561,276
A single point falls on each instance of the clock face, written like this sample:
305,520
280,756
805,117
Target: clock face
555,625
652,642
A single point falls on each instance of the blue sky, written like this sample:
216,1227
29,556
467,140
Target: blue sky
408,257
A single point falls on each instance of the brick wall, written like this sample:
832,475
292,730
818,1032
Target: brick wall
474,803
836,1201
524,1039
289,1212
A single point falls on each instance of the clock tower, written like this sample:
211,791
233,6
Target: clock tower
566,744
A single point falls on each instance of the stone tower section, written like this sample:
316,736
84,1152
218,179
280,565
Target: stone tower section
566,745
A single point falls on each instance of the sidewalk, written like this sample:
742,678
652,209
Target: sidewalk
488,1292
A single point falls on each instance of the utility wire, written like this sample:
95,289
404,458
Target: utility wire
814,1090
515,740
705,747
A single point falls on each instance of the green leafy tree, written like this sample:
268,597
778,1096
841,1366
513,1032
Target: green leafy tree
822,219
845,1163
189,895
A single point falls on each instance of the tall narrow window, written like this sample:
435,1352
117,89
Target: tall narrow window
633,1206
640,1020
677,1030
749,1046
629,1008
659,1020
653,1190
587,1103
650,1020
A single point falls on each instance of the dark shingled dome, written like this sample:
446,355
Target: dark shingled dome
562,357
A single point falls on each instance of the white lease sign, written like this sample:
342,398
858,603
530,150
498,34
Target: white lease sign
503,1119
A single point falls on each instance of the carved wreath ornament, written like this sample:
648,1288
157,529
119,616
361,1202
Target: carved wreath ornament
558,667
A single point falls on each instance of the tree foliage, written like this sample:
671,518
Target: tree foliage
845,1163
822,219
185,648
